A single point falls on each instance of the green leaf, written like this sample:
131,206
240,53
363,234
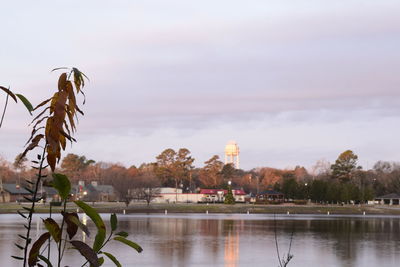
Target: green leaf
98,221
9,93
86,252
62,184
113,259
17,258
114,221
34,252
26,102
129,243
101,261
122,233
53,229
46,260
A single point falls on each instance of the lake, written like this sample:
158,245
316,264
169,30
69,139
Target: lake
236,240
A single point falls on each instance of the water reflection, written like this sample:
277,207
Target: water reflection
231,249
236,240
84,222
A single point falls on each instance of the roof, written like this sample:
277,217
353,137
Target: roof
211,191
14,189
109,189
223,191
388,196
238,192
49,190
270,192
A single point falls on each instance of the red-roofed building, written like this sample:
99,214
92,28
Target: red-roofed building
218,195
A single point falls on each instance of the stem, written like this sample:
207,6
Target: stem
62,226
276,242
4,111
27,240
65,244
48,251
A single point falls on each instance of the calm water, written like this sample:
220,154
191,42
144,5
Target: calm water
239,240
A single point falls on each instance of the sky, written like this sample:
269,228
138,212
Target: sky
292,82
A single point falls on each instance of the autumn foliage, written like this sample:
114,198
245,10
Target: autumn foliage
59,123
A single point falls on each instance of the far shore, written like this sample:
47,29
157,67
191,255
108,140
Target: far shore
154,208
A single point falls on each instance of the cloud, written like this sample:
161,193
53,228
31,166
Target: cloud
185,72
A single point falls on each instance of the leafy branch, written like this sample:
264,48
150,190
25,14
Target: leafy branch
52,127
23,99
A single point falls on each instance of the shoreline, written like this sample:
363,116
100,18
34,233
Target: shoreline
156,208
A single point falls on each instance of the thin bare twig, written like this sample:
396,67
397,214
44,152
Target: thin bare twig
4,111
276,242
285,260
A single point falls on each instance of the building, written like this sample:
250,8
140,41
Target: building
218,195
13,193
172,195
232,154
389,199
94,192
270,196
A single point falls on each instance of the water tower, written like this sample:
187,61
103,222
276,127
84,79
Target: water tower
232,154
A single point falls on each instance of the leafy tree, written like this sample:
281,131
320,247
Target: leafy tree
318,190
73,165
184,166
228,172
229,198
289,187
333,191
165,169
344,166
210,174
174,168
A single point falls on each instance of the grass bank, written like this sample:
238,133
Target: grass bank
110,207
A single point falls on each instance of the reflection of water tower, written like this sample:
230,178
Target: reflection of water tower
232,154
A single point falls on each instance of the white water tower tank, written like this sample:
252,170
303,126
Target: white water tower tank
232,154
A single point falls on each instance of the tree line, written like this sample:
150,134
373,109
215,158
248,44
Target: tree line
342,181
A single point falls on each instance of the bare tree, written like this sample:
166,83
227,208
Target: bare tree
146,187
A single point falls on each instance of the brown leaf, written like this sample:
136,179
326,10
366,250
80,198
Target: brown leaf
35,250
34,143
87,252
40,114
42,104
9,93
63,141
72,228
62,81
53,102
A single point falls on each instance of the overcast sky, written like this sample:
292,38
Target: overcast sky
291,81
